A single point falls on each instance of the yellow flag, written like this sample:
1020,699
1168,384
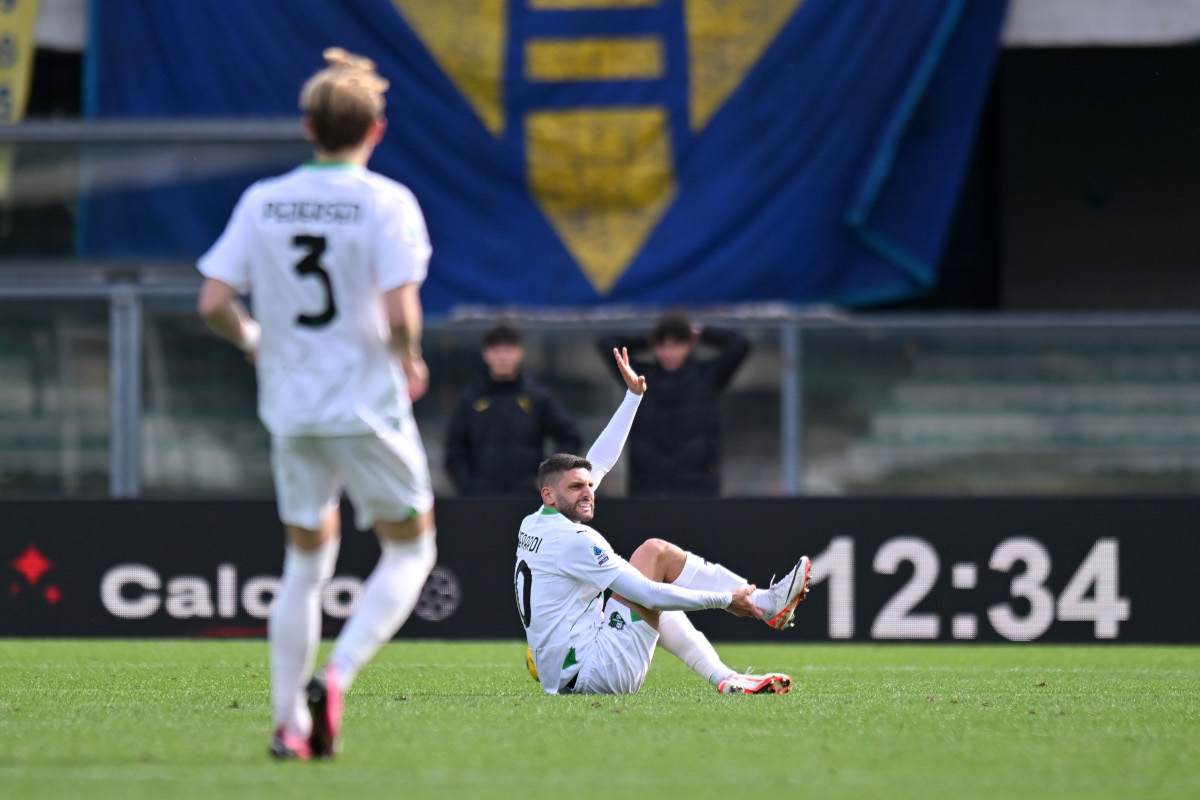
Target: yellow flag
17,20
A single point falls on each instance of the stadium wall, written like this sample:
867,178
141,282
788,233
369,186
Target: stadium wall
949,569
1097,189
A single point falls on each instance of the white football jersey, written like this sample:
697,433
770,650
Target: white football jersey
317,247
562,569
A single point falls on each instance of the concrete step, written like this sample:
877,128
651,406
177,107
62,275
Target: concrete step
1061,365
1095,396
984,428
870,461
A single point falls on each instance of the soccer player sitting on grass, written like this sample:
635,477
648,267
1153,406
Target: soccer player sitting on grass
581,645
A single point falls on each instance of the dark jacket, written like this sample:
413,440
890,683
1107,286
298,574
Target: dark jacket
496,437
675,442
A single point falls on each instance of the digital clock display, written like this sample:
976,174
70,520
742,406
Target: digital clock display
947,569
1091,594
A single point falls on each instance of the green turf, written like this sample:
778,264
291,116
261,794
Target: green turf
183,719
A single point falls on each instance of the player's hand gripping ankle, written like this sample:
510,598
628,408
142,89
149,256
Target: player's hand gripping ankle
743,603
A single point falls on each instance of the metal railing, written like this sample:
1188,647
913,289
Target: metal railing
867,363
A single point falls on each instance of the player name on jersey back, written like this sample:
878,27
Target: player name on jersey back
339,212
526,541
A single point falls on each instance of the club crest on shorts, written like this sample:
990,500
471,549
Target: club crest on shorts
601,556
615,621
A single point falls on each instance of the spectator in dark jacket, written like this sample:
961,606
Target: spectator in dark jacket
675,442
497,435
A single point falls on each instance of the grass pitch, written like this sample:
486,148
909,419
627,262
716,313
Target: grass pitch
184,719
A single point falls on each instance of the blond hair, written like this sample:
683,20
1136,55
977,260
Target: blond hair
343,100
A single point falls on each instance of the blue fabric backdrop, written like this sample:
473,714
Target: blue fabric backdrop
827,171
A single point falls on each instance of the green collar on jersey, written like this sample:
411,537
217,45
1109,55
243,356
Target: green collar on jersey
328,164
549,510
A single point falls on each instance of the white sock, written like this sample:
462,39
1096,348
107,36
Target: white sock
700,574
680,638
294,631
763,600
389,596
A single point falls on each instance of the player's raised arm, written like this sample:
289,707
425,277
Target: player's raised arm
608,445
635,382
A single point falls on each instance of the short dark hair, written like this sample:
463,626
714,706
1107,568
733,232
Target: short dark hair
559,463
671,326
501,334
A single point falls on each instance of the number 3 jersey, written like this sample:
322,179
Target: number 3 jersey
317,248
562,568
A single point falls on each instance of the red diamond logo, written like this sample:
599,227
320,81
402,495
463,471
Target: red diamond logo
31,564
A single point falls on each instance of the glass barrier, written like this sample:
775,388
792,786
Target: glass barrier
54,398
885,406
992,405
110,384
198,431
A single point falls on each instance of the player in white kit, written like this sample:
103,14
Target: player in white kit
334,255
581,645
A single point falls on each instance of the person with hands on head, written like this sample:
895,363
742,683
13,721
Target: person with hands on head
675,444
580,644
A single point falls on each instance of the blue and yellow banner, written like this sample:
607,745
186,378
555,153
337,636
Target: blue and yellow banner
18,19
585,152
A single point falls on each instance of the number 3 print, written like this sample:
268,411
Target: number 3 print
311,265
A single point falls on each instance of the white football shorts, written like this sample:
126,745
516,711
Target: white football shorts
619,657
386,477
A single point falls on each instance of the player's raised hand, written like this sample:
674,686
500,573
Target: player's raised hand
743,603
635,382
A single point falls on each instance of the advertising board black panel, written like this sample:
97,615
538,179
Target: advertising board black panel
948,569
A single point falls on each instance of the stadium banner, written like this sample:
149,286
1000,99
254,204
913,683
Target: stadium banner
919,569
17,21
18,18
574,153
